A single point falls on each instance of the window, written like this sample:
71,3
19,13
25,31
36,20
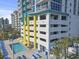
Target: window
52,33
52,40
74,9
31,31
65,5
26,35
36,37
63,18
43,39
69,29
78,12
54,25
56,6
43,25
42,32
36,31
70,10
63,31
31,25
70,4
42,17
62,37
55,17
69,22
36,25
36,17
63,25
31,18
32,36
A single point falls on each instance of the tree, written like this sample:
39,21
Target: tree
57,49
56,52
63,44
6,35
1,35
1,57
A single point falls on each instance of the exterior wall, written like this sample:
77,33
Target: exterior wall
46,38
73,18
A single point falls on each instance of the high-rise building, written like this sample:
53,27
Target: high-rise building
15,21
1,22
4,22
44,21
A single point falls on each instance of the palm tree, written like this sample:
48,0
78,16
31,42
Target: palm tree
63,44
56,52
57,49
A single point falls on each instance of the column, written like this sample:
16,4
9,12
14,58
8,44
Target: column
28,31
34,32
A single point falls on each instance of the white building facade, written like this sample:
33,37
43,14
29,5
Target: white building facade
56,19
15,21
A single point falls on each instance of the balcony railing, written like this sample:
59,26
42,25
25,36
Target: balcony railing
39,1
42,6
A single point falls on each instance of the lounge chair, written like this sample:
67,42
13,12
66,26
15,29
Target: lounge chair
24,57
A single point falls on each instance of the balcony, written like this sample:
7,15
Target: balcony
39,1
42,6
29,6
57,1
28,1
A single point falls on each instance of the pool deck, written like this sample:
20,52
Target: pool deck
27,52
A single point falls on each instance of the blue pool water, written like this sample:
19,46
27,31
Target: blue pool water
17,47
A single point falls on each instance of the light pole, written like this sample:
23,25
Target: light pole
47,54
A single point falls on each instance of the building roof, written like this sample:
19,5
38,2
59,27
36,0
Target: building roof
48,11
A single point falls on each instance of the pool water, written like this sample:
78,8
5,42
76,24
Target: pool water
17,47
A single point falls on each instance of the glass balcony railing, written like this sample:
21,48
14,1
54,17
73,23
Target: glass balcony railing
39,1
58,1
42,6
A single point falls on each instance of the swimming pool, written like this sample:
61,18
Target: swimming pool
17,47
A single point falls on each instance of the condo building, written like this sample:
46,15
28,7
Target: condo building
4,23
15,21
44,21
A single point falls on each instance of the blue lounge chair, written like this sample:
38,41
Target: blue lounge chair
6,57
19,57
4,52
34,56
24,57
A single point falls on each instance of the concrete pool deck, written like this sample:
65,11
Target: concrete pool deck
27,52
